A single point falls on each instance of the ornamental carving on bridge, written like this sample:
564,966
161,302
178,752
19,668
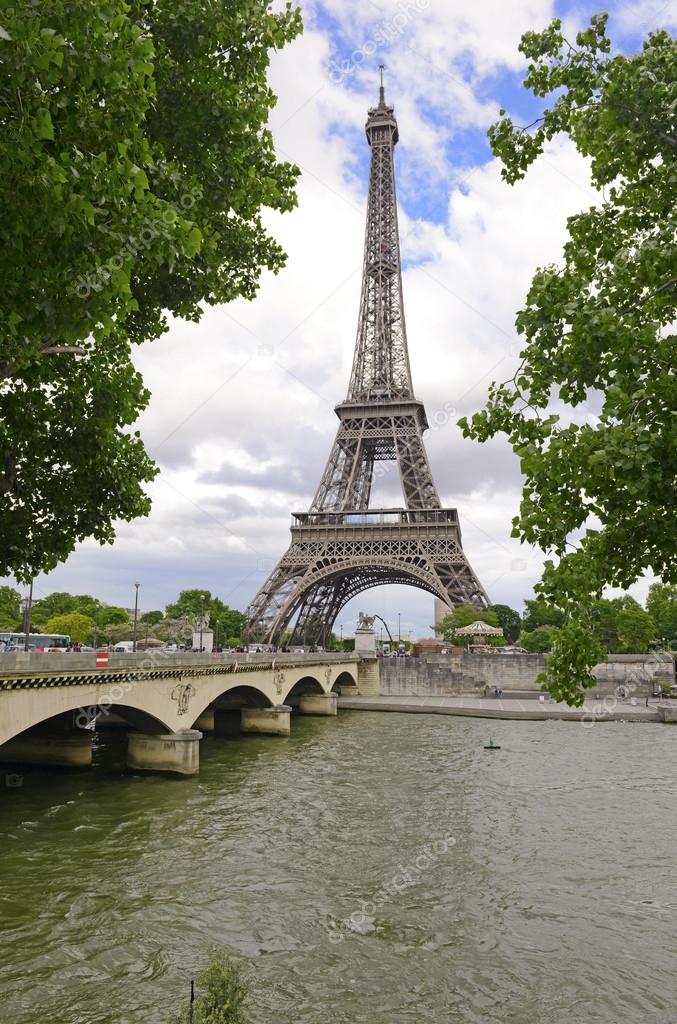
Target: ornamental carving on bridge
279,682
182,693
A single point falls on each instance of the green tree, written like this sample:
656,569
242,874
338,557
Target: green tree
539,640
10,608
63,603
599,488
58,603
537,612
79,627
222,993
661,605
509,620
110,615
135,164
604,617
174,630
115,632
636,630
190,604
152,618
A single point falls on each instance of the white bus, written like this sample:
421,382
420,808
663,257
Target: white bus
36,641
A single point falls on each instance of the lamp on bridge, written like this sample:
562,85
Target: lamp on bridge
27,604
136,614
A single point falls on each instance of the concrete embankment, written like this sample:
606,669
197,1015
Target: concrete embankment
514,708
478,675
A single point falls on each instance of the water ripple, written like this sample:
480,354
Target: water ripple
555,903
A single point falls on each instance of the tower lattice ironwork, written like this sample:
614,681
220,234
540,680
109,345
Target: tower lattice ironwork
341,546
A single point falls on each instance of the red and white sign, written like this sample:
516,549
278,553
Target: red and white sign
102,659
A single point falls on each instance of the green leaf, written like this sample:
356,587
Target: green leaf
42,125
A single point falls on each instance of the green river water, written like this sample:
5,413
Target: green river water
552,900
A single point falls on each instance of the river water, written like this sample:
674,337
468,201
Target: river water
546,894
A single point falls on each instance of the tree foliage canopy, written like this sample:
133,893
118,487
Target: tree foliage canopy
661,605
63,603
539,640
590,411
509,620
191,603
135,163
10,608
79,627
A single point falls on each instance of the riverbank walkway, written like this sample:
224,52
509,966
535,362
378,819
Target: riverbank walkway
603,710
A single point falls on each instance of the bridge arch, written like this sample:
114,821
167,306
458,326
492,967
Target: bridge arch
330,586
307,684
344,678
71,711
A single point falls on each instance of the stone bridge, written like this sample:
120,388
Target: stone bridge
50,704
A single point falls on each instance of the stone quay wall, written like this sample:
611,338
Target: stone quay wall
515,674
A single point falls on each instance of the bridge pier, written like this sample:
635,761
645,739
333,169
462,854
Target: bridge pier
274,721
206,723
177,752
318,704
63,749
368,676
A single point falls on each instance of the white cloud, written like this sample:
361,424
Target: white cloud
241,418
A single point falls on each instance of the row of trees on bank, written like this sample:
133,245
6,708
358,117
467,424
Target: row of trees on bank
620,624
87,620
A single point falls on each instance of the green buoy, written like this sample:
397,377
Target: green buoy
491,745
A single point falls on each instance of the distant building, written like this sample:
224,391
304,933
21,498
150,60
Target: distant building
428,645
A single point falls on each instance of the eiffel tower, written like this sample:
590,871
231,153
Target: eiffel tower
341,546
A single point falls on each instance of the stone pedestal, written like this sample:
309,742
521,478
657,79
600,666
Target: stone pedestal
318,704
177,752
65,749
227,722
271,721
205,722
365,642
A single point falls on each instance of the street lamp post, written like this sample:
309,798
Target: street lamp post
136,613
202,618
28,608
217,634
399,629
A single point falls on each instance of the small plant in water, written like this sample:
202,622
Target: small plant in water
221,992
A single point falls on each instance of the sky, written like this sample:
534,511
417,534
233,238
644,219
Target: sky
241,418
